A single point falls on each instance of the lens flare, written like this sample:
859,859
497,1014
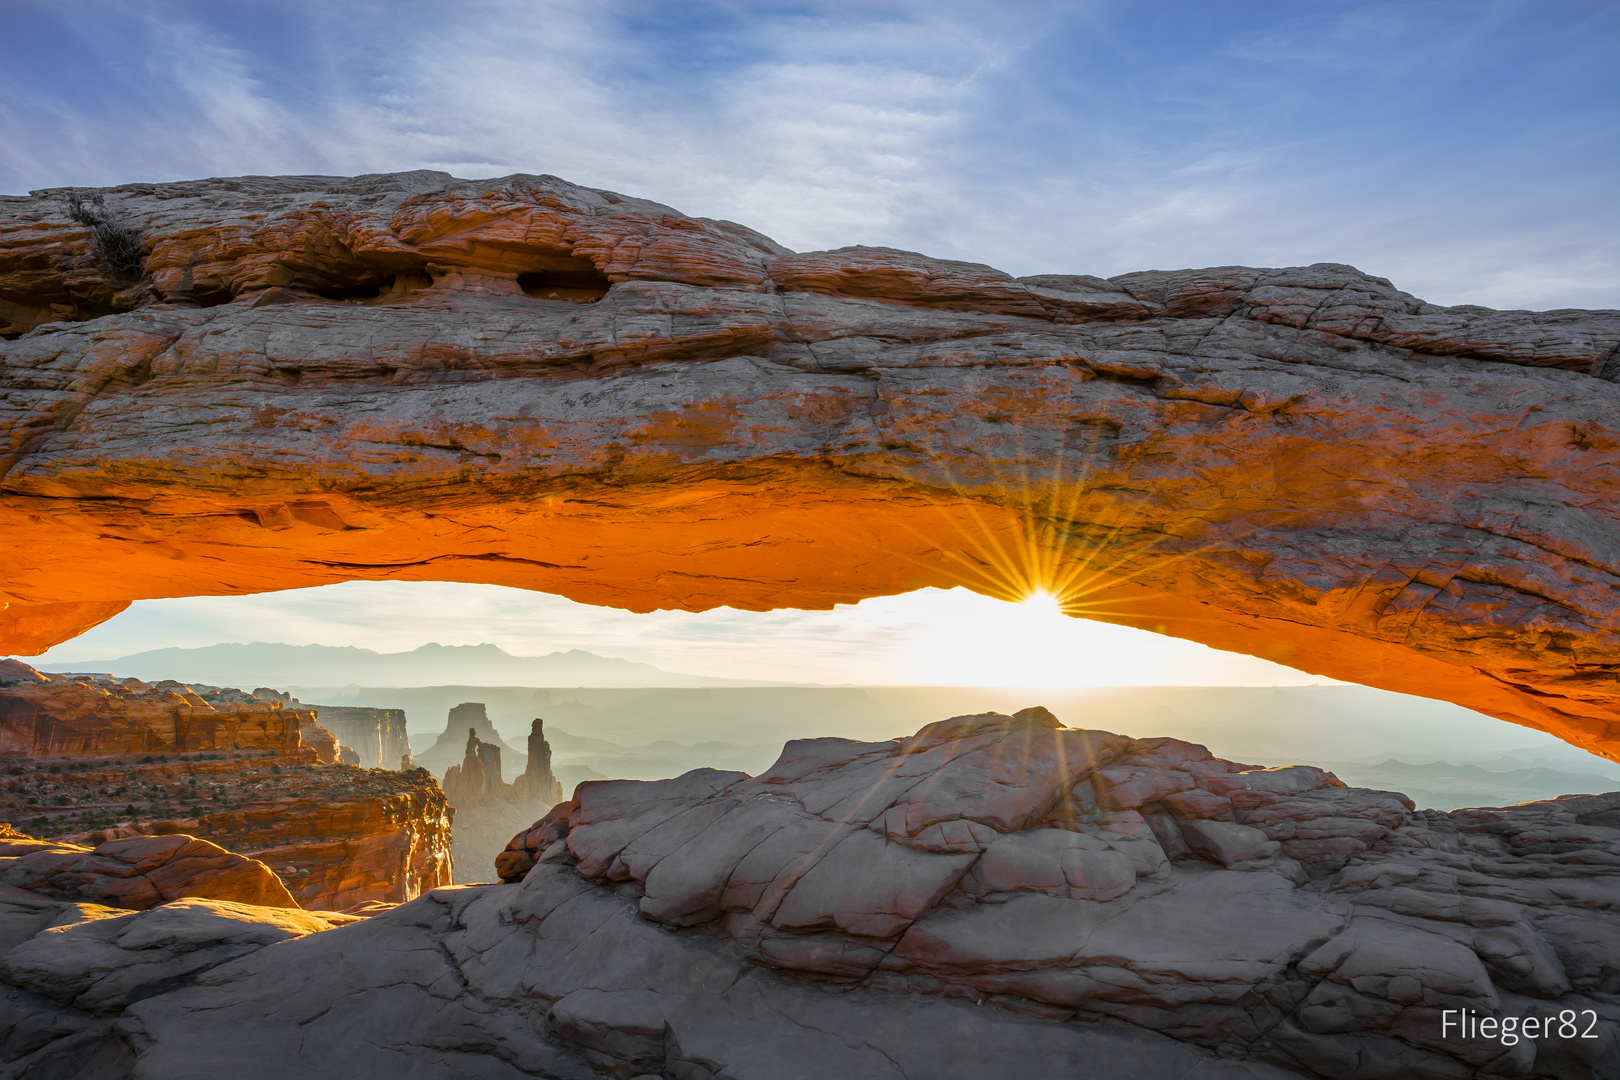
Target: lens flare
1041,602
1056,530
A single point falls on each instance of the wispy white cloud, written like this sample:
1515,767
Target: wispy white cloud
1086,138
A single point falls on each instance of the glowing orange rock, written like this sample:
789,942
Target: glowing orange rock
56,716
529,383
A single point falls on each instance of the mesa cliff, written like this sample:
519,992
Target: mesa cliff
337,835
526,382
65,717
377,736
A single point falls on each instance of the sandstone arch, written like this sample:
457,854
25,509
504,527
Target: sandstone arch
410,376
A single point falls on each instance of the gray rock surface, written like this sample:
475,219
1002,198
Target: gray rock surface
1268,914
991,897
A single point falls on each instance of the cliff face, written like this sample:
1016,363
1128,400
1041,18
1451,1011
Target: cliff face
489,810
530,383
338,835
341,836
86,717
377,736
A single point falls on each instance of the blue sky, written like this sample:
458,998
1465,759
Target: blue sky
1466,150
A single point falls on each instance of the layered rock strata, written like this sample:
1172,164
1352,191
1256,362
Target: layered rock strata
88,716
138,872
488,809
994,896
376,736
526,382
315,735
338,835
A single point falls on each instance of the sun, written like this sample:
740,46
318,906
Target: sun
1041,602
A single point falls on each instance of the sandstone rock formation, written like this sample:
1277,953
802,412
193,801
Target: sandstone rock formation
1269,914
83,716
339,836
488,809
315,735
478,777
451,745
138,872
537,781
377,736
994,896
526,382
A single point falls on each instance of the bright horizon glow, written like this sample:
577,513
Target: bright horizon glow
1041,602
938,637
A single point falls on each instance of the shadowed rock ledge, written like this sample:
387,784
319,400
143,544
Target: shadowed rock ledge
531,383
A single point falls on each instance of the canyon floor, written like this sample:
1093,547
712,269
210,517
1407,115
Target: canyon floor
993,896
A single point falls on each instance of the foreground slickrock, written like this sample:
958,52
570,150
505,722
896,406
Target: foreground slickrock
70,969
992,897
527,382
1269,914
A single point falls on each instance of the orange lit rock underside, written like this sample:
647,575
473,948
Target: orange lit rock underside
401,377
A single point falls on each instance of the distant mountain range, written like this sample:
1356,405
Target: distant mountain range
277,665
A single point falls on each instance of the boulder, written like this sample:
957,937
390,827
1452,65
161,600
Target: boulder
1227,842
140,872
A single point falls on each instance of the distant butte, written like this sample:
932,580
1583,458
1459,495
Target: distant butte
530,383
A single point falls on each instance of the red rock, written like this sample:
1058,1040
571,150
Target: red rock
139,873
341,835
1303,464
88,717
316,736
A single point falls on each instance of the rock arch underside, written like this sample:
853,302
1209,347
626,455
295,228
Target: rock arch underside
530,383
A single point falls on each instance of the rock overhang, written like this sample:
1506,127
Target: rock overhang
1303,464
